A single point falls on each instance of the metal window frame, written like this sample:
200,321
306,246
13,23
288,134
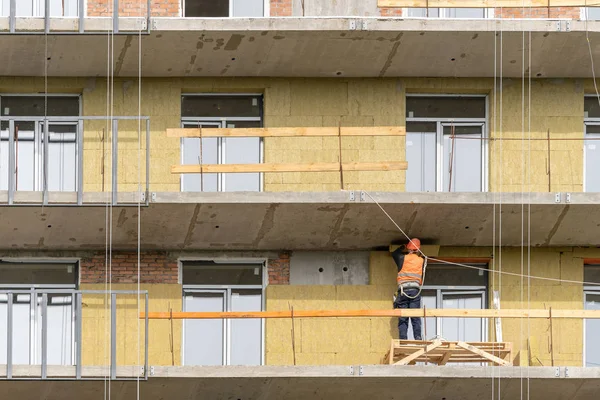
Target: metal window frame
587,290
221,143
263,262
488,13
588,122
459,122
266,9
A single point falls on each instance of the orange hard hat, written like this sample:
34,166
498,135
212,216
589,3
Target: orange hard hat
414,244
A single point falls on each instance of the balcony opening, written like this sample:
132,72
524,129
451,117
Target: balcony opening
223,8
35,161
221,111
223,286
23,288
445,149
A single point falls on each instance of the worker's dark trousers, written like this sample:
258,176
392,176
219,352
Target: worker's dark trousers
406,302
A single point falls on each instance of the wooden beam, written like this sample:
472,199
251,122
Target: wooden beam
484,3
287,132
408,359
483,354
441,313
275,167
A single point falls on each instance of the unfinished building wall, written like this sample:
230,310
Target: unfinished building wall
365,340
134,8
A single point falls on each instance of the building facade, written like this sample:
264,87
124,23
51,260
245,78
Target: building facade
499,115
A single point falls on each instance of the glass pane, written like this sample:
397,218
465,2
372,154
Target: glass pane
445,107
221,106
4,174
60,342
466,329
448,275
193,154
62,158
28,164
206,8
34,106
21,328
592,330
37,274
207,273
423,12
592,161
242,151
421,157
591,273
246,334
203,338
466,12
462,160
248,8
592,13
418,127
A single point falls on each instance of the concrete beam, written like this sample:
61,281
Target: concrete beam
301,221
303,47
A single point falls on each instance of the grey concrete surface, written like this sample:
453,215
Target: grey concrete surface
329,268
303,221
304,47
328,382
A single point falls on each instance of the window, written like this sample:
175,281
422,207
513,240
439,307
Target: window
223,8
36,8
591,356
591,13
447,286
445,149
449,12
228,286
591,144
29,143
227,111
22,288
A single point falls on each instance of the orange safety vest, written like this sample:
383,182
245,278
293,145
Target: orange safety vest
412,270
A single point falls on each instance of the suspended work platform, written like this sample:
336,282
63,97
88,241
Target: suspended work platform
409,352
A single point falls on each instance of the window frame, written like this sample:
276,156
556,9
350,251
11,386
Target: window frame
443,13
587,121
226,289
592,290
440,122
222,121
266,10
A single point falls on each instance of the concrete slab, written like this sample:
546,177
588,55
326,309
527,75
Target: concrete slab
302,47
328,382
299,221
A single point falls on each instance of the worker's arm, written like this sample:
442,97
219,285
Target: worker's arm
398,258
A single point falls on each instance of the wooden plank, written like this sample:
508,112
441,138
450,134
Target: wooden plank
275,167
483,354
483,3
287,132
439,313
418,353
447,355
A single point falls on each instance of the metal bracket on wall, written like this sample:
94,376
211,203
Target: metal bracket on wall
362,196
360,370
351,196
566,372
153,197
152,371
358,25
351,370
557,372
557,198
568,26
568,198
142,197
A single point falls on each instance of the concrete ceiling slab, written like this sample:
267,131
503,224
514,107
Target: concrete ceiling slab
311,47
304,221
327,382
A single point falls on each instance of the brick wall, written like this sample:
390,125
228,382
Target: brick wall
133,8
279,270
540,12
155,267
281,8
390,12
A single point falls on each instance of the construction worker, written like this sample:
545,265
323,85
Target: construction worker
410,279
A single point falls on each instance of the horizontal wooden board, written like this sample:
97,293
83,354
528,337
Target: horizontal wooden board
273,167
484,3
287,132
442,313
